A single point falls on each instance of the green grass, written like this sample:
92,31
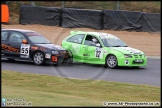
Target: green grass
44,90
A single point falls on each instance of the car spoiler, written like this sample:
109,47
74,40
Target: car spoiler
75,31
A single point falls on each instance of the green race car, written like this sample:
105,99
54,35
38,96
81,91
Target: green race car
102,48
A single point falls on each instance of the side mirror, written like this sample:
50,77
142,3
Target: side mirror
98,45
24,41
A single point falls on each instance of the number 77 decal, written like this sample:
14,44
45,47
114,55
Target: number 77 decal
99,52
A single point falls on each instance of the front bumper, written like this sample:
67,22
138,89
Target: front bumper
122,61
58,59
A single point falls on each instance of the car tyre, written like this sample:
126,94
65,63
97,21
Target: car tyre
38,58
111,61
136,67
55,64
69,61
12,60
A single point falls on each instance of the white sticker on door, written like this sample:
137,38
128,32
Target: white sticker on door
25,49
99,53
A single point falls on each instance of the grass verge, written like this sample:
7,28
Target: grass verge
44,90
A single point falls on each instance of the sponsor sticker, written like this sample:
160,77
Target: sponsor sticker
132,50
24,56
99,52
105,52
76,48
47,56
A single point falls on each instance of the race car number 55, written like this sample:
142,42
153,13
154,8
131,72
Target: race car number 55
25,49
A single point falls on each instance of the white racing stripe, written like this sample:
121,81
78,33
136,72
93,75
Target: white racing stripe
131,50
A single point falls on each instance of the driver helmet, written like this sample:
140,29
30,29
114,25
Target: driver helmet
94,40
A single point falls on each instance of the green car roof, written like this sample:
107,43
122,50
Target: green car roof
98,34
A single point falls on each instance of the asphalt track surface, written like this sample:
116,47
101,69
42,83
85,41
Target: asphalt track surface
149,75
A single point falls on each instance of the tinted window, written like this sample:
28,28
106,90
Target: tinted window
37,38
76,38
88,40
112,41
16,37
4,35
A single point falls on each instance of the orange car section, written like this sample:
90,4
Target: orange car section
34,47
4,13
9,48
54,58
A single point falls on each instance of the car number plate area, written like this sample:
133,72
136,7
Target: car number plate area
139,60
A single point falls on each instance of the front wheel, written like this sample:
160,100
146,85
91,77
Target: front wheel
111,61
38,58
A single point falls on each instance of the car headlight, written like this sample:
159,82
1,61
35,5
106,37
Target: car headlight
127,56
55,52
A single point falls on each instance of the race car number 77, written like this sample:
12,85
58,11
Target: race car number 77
25,49
98,53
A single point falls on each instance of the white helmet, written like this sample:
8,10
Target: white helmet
94,40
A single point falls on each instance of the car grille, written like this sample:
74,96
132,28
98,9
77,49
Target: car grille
138,56
63,52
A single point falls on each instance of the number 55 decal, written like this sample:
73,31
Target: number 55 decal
25,49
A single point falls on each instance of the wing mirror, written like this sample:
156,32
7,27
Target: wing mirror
24,41
98,45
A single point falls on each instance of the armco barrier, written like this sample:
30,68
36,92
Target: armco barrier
76,18
121,20
151,22
40,15
96,19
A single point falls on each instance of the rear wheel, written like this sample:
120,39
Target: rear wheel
38,58
69,60
111,61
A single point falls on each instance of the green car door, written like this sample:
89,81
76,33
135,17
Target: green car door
92,53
